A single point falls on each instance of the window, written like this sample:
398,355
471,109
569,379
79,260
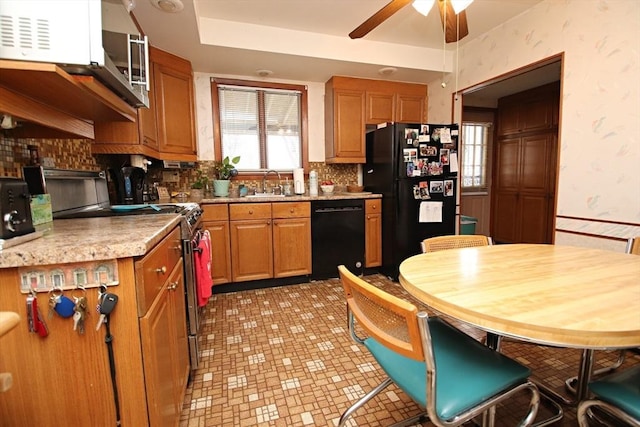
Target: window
475,140
263,123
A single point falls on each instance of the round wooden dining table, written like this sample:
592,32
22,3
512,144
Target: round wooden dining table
547,294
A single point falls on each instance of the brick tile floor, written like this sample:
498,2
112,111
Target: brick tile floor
282,356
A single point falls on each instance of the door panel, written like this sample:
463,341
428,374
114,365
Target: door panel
507,164
505,217
534,219
535,163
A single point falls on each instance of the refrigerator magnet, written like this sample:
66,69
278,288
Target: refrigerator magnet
444,156
424,190
410,168
410,154
431,151
411,135
416,192
448,188
436,187
424,130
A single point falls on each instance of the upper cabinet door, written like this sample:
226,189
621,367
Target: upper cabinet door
411,109
380,107
174,98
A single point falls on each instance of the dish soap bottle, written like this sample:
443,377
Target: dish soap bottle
313,183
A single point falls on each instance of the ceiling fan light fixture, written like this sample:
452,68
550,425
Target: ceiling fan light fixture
170,6
423,6
460,5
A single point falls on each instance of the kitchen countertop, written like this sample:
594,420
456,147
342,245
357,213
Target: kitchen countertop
91,239
296,198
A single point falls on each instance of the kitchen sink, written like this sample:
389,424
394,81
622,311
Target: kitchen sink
258,195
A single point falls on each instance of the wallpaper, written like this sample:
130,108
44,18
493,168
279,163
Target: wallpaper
599,175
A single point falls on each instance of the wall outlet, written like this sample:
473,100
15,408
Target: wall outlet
170,176
48,162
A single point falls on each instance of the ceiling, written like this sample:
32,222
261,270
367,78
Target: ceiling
307,40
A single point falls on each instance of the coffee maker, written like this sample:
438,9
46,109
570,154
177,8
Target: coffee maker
129,185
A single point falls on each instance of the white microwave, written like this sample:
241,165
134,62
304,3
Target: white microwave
92,37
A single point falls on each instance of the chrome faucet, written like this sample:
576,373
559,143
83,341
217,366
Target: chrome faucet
264,179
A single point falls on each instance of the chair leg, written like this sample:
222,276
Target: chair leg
570,383
585,412
384,384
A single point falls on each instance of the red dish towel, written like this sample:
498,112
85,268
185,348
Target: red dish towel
203,268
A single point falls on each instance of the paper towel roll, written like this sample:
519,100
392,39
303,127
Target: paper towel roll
298,180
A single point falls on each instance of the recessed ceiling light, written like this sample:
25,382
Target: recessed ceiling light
387,71
171,6
264,73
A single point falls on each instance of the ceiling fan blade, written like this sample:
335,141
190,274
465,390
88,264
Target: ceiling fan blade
378,18
451,25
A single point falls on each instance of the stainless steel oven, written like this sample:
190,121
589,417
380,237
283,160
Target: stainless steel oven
190,226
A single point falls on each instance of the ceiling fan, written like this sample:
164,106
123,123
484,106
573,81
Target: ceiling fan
451,13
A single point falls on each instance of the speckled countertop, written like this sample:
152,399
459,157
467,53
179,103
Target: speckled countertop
296,198
91,239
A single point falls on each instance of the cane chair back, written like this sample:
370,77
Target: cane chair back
441,243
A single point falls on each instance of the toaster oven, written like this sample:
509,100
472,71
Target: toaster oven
15,208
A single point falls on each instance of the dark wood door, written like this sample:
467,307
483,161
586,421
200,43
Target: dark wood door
524,192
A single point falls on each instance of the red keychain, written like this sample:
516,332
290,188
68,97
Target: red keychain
36,321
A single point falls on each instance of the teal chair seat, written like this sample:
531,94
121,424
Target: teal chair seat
469,373
621,389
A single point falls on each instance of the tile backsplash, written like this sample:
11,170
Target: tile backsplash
76,154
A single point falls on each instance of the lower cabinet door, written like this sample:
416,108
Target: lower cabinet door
291,247
165,352
251,250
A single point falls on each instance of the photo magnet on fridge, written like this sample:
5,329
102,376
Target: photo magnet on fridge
448,187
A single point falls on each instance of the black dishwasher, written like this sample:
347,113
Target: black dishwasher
337,237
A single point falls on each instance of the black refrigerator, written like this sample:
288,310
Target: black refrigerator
414,167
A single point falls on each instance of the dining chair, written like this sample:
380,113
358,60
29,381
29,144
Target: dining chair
439,243
617,395
448,373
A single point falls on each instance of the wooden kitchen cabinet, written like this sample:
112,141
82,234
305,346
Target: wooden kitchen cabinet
524,189
411,108
291,239
173,83
150,350
251,241
373,232
268,240
345,124
215,218
352,103
165,350
165,130
163,329
529,111
383,107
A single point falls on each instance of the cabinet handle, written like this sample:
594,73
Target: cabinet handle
172,286
161,270
250,212
291,210
178,248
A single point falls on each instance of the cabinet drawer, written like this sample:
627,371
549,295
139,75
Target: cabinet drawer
373,206
215,212
155,267
291,210
241,211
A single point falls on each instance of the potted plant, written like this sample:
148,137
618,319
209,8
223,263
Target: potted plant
223,170
199,185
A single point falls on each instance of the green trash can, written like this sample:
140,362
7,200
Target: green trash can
468,224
